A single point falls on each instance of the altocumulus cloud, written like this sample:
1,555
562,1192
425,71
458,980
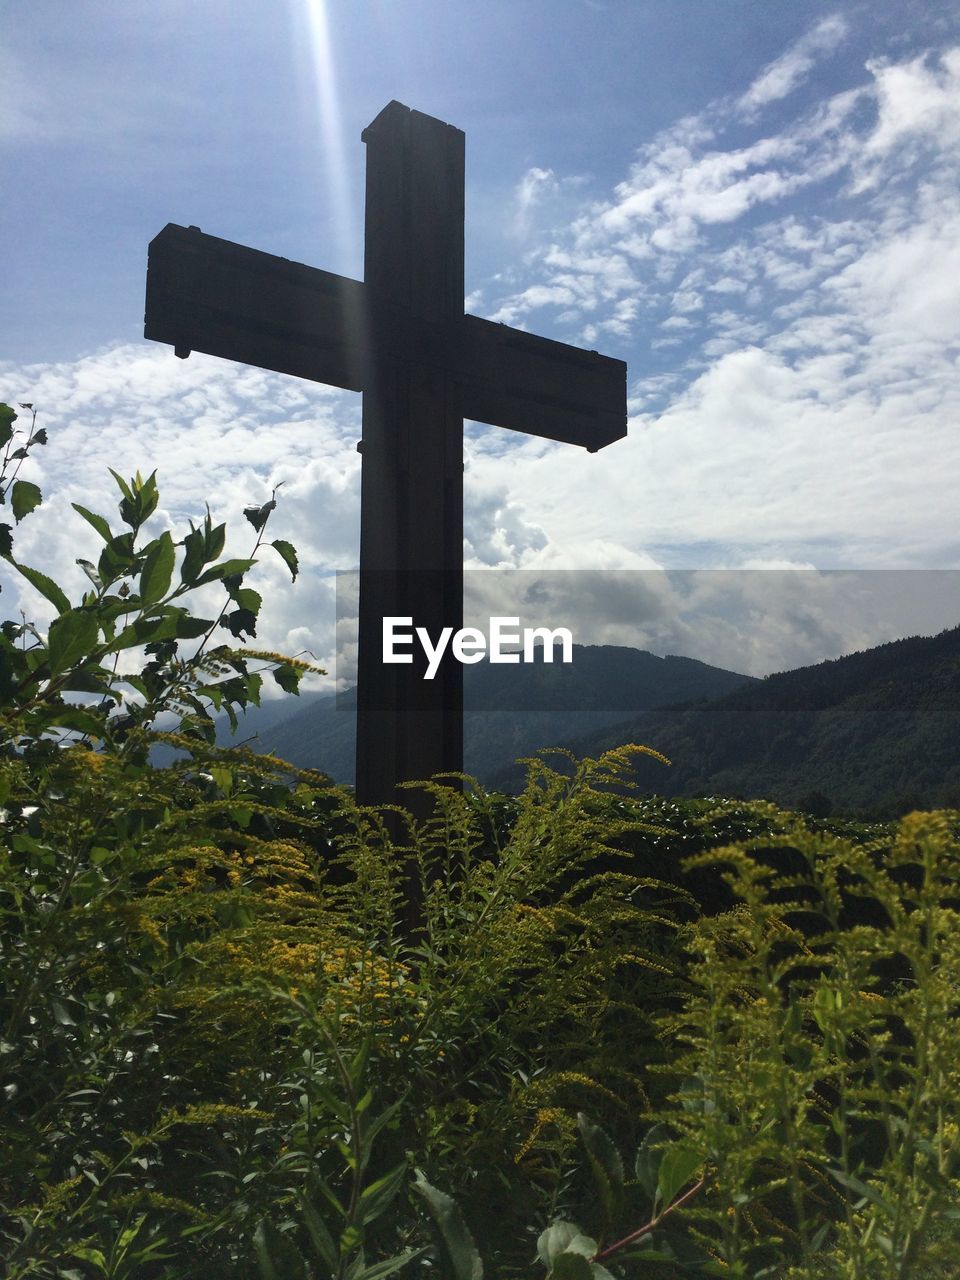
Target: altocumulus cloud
793,361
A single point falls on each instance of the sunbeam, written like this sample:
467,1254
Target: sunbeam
312,32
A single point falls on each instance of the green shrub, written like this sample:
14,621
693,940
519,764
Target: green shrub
190,951
816,1128
223,1053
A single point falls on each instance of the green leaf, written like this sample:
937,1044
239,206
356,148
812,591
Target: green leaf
358,1063
140,498
670,1246
600,1146
387,1267
24,498
350,1239
582,1244
62,1014
215,537
288,678
461,1249
124,487
72,636
8,417
862,1189
223,777
172,624
571,1266
258,516
251,689
240,623
372,1128
375,1198
149,497
277,1257
79,720
157,569
194,559
46,586
325,1190
677,1167
288,553
88,1254
225,569
605,1162
117,558
554,1240
247,598
319,1235
98,522
649,1156
6,541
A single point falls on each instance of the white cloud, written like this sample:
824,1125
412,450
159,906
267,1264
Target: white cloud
785,73
918,109
690,190
904,287
809,415
727,284
531,189
498,533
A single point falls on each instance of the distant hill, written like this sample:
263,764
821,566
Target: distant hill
510,710
871,734
874,733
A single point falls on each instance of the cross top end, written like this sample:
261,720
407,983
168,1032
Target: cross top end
207,294
395,116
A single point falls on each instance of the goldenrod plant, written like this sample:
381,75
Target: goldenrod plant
162,929
630,1036
814,1134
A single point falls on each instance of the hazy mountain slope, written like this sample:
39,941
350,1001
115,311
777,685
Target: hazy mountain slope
511,710
875,730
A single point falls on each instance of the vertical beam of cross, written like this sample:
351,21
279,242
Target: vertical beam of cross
411,538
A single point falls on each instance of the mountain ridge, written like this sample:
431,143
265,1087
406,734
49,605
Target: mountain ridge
510,710
873,732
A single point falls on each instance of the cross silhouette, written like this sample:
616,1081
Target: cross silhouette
423,365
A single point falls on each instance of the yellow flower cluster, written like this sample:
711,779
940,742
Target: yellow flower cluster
544,1117
356,977
84,760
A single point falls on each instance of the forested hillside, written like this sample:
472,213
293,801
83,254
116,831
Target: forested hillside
875,733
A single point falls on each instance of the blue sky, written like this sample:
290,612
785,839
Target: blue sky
754,204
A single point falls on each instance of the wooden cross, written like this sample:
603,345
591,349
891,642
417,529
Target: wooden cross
402,338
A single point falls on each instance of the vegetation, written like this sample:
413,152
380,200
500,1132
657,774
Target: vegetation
222,1056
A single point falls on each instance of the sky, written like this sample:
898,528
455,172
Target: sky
754,203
